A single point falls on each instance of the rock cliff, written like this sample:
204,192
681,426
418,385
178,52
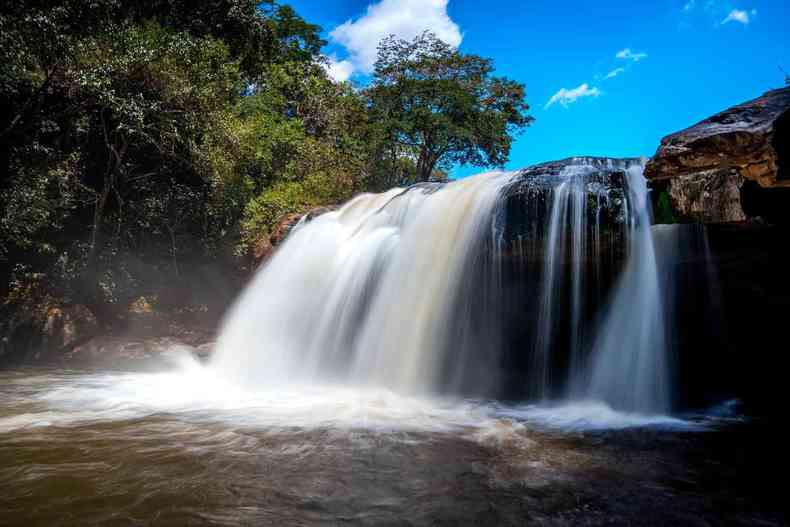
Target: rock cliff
731,167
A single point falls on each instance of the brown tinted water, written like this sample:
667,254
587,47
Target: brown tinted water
84,448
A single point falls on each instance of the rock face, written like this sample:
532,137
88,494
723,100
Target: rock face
42,331
530,197
709,197
729,167
66,326
265,246
732,173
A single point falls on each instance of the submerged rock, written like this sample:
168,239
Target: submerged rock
731,167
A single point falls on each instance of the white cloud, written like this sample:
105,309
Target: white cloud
403,18
338,70
737,15
614,73
566,97
627,54
689,6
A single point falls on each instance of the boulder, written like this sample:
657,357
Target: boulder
706,169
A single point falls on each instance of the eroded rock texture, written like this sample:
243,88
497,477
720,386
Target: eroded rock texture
731,167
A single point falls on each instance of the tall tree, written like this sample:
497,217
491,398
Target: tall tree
439,107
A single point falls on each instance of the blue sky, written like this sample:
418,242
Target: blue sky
603,78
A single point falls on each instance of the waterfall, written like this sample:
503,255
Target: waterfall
629,363
371,293
540,283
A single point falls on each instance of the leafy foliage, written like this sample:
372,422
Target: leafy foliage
143,139
118,121
440,107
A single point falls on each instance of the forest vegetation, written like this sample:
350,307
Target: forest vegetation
147,142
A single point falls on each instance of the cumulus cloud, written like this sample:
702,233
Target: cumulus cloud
403,18
627,54
737,15
338,70
566,97
614,73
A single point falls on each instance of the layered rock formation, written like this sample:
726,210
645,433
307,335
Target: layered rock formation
732,167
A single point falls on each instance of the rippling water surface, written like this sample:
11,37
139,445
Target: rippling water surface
183,448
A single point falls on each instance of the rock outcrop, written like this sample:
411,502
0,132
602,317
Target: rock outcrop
66,326
729,167
42,330
529,198
732,173
265,245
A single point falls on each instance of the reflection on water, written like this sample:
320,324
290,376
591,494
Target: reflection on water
89,448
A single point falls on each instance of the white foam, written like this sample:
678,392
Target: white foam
590,416
196,393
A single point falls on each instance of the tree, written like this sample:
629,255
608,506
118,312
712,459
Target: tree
439,107
301,142
116,131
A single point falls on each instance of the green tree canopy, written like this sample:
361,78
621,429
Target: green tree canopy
120,123
439,107
140,140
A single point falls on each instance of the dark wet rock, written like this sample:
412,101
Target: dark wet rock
706,169
529,197
521,238
601,164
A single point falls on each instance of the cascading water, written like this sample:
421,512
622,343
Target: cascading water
371,293
629,363
491,285
571,252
